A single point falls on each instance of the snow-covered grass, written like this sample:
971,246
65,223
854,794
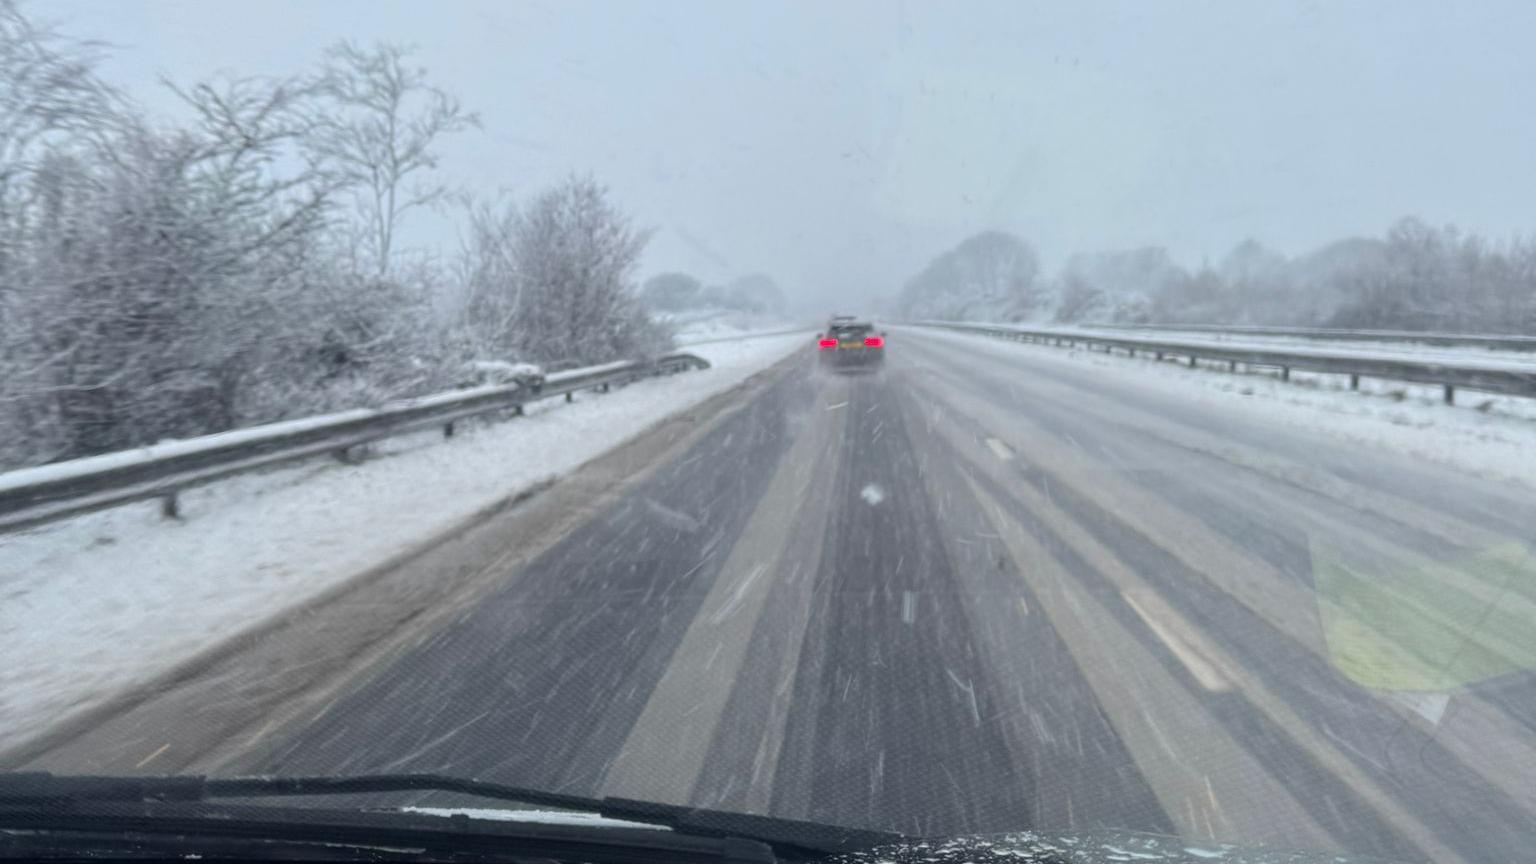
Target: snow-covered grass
1483,434
1411,351
719,326
92,605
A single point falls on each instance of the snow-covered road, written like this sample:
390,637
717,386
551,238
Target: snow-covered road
1492,437
1097,591
94,604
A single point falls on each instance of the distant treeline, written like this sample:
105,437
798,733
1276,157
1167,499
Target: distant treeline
672,293
1416,277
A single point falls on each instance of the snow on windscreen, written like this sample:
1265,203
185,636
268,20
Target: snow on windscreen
543,817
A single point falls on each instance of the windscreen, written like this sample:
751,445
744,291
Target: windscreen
934,418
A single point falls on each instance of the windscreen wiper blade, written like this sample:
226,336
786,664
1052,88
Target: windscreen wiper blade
108,830
781,834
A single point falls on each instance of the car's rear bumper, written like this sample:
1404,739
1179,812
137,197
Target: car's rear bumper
854,358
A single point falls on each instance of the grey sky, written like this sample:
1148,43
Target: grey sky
839,145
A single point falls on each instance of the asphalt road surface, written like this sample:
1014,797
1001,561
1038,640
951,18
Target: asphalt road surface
993,588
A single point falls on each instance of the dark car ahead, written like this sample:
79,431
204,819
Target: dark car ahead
851,345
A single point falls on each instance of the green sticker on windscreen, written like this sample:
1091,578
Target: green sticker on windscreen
1428,625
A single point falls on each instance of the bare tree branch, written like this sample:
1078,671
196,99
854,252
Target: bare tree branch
379,135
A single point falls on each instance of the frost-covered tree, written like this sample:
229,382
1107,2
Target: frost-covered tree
52,106
179,247
1416,277
1120,286
576,259
168,277
492,291
50,96
165,280
556,280
672,292
376,134
988,276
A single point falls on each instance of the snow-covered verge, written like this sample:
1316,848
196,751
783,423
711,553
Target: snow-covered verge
1486,435
717,326
1519,361
94,604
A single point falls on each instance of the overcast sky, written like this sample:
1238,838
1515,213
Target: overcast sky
838,145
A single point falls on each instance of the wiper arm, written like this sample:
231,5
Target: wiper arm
784,835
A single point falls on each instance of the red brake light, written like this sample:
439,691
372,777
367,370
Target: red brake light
874,342
827,343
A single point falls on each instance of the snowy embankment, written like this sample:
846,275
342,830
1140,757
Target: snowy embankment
1518,361
1484,435
91,605
722,326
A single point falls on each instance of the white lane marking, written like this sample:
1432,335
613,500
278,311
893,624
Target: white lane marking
872,494
673,518
837,406
1157,732
734,603
908,607
1430,706
151,757
1202,669
999,449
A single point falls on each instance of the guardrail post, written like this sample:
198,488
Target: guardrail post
1285,373
517,410
570,396
352,455
1231,365
1450,394
1159,355
605,387
1191,361
170,507
1354,382
448,429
